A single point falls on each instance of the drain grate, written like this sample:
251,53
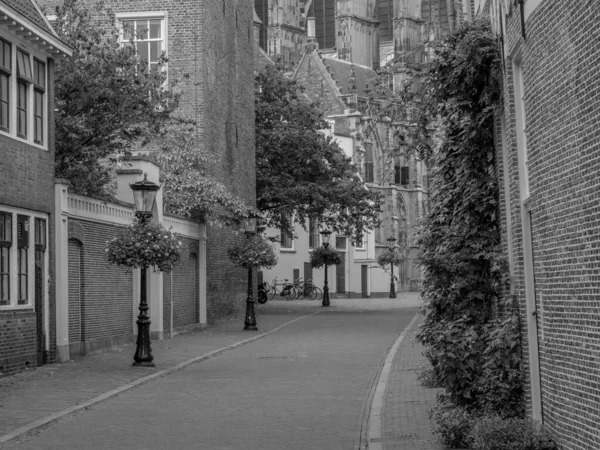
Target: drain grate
273,357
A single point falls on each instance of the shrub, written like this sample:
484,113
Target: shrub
253,252
144,244
390,256
427,375
495,433
500,392
452,424
321,256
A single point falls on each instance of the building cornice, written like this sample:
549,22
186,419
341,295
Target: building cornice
32,32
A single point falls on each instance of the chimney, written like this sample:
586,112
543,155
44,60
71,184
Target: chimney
311,41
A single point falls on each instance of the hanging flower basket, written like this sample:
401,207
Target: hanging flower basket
144,244
321,256
254,252
389,257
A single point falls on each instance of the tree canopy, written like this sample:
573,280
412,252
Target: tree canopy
300,172
110,102
106,100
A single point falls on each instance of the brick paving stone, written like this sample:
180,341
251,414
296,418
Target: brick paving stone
29,396
406,424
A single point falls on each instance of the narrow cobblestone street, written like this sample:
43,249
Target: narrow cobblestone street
306,385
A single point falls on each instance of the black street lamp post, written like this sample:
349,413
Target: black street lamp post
326,236
144,195
250,322
392,241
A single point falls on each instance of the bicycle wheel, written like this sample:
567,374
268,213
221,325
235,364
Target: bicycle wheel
262,297
312,292
273,292
319,293
289,293
299,292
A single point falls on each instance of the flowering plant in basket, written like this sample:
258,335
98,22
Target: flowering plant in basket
321,256
254,251
144,244
389,257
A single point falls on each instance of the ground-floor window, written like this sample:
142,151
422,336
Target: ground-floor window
19,241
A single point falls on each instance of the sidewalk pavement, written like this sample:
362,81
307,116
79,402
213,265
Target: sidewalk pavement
405,422
31,401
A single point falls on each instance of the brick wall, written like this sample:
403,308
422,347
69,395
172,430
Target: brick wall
27,181
100,294
562,102
181,287
76,290
18,338
227,120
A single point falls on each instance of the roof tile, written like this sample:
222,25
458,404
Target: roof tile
28,10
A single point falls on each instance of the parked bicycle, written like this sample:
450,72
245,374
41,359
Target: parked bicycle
288,291
311,291
306,289
263,289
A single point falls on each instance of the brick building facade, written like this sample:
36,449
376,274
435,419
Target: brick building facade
27,298
209,45
549,155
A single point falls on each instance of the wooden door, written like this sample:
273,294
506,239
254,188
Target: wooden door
340,275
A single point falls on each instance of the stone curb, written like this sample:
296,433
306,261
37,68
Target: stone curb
45,422
375,436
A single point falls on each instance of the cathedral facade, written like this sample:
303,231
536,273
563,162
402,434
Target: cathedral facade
334,48
364,32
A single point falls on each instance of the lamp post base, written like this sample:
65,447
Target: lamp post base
250,322
143,364
325,297
392,290
143,352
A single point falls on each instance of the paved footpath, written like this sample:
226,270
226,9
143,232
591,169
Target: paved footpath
405,424
310,381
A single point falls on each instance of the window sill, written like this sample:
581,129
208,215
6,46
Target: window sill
16,308
24,141
287,250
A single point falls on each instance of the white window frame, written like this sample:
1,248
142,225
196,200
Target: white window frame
146,15
17,43
291,248
363,243
14,269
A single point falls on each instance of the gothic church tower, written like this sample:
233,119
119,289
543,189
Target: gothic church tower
357,38
363,32
284,28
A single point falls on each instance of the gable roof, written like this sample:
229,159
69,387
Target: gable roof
30,11
26,18
351,78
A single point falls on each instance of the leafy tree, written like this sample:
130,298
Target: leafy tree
188,189
301,172
452,124
109,103
106,100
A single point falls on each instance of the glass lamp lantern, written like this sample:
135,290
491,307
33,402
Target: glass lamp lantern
144,195
250,225
326,236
